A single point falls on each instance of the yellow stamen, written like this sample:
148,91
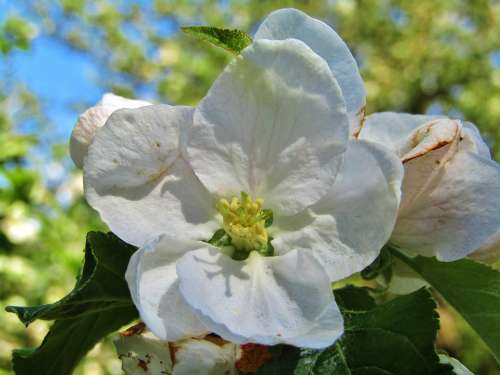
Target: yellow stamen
243,220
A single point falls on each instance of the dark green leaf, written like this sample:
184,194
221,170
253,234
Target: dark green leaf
230,39
68,340
99,304
396,337
100,286
354,298
473,289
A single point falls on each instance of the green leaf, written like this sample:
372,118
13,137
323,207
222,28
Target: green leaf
473,289
99,304
232,40
396,337
68,341
101,285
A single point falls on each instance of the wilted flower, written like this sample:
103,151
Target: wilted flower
249,206
450,200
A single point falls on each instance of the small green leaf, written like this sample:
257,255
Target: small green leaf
220,238
232,40
396,337
472,288
99,304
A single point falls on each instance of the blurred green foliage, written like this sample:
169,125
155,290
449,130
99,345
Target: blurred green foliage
415,56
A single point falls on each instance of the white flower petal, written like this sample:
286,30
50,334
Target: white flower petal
273,125
137,178
202,357
94,118
143,354
349,226
454,213
323,40
267,300
154,286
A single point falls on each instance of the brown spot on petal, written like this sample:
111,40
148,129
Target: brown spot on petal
172,350
423,152
361,113
134,330
143,365
253,356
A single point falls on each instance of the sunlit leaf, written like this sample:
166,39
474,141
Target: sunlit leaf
230,39
473,289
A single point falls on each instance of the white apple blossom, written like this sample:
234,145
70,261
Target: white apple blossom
92,119
271,135
450,204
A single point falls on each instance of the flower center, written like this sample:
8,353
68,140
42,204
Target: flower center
245,221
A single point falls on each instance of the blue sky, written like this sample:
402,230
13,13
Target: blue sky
56,73
62,76
59,76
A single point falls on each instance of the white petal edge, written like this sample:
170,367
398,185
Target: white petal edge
347,228
323,40
137,178
152,279
273,124
93,118
266,300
